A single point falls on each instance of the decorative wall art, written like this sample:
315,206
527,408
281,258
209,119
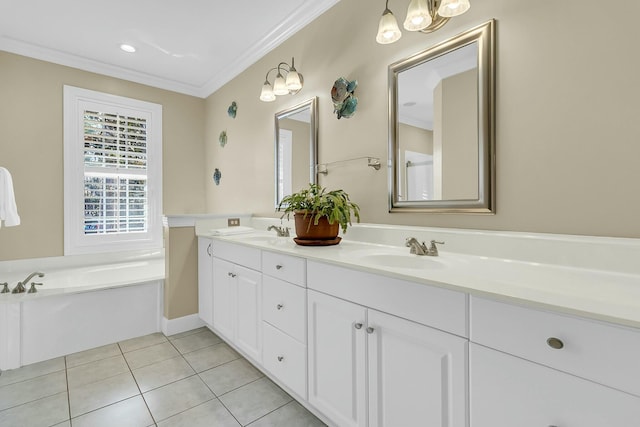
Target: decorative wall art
216,176
344,101
232,110
222,139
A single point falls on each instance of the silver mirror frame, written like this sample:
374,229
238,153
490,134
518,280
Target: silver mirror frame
312,105
484,35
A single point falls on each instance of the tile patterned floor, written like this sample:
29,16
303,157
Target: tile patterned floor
191,379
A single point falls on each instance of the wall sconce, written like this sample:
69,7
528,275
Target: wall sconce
281,85
422,15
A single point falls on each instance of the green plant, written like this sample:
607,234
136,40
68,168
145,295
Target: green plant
318,202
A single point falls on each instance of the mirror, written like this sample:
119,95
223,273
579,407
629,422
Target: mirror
296,149
441,128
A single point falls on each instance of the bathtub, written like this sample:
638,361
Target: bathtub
84,302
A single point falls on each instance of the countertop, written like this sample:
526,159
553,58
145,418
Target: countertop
594,294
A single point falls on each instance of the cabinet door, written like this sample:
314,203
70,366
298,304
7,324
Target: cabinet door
248,311
507,391
417,374
205,285
337,364
224,298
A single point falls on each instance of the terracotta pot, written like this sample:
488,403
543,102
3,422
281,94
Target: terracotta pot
322,231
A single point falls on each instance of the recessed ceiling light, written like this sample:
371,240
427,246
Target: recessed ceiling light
127,48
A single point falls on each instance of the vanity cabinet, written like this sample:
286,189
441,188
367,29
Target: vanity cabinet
284,313
530,367
508,391
369,368
237,297
205,285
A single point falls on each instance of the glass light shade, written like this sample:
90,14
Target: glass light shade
388,31
293,82
418,16
451,8
280,86
267,94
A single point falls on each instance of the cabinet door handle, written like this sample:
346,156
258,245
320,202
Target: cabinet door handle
555,343
279,306
279,267
209,249
280,358
230,274
358,325
370,330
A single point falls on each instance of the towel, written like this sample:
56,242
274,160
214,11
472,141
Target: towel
8,208
228,231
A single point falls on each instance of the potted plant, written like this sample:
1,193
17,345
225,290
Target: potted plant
319,214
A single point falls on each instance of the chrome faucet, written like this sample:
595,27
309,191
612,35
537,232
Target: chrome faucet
282,231
421,249
20,286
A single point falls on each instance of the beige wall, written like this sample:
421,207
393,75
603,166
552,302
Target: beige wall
181,283
567,128
31,148
459,128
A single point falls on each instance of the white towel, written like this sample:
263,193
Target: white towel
228,231
8,208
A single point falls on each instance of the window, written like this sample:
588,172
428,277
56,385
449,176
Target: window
112,172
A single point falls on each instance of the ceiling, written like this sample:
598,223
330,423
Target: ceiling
190,46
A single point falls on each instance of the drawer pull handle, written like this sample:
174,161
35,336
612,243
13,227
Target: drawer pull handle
278,267
555,343
230,274
279,306
358,325
280,358
209,249
370,330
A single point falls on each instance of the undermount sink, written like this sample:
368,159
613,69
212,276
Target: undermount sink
402,261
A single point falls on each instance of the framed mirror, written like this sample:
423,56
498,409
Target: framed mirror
441,126
296,148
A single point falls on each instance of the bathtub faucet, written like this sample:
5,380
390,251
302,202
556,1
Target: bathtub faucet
20,286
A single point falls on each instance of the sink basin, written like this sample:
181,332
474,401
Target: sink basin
402,261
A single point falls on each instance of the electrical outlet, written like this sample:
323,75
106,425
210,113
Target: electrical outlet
233,222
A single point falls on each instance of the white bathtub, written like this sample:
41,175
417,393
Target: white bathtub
84,302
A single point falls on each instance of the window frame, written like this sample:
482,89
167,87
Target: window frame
75,240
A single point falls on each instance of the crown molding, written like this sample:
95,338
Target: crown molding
269,41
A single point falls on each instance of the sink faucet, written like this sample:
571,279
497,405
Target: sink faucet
421,248
282,231
20,286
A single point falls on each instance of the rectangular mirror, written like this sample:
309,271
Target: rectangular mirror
296,149
441,128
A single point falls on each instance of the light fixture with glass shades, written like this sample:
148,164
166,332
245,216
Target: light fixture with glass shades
288,84
422,15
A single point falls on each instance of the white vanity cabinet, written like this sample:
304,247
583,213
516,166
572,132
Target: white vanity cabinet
205,285
237,296
284,311
370,368
530,367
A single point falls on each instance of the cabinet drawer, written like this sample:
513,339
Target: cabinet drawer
286,359
285,306
238,254
285,267
605,353
432,306
506,391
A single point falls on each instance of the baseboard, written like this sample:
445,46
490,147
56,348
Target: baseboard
181,324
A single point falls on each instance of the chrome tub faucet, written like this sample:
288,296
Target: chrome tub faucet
421,249
20,286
